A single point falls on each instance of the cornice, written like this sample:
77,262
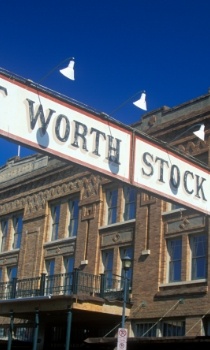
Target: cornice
88,186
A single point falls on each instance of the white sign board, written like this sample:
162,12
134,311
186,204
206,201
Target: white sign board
48,124
160,171
51,123
122,339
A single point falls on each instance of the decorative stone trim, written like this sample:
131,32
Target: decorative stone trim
88,186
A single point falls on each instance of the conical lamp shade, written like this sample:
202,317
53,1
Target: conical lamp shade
141,103
69,71
200,133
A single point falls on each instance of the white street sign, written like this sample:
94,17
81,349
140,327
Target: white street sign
168,175
122,339
46,123
54,124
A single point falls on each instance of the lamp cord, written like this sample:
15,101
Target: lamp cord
160,319
184,132
141,305
197,321
49,73
54,68
124,103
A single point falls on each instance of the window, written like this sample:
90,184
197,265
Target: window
175,255
8,287
3,234
18,228
206,326
56,335
11,273
68,278
69,264
24,333
146,330
55,213
198,246
130,203
50,266
173,328
164,328
127,251
174,206
2,287
74,217
111,199
3,332
107,258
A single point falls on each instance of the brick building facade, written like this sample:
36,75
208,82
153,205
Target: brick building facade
65,230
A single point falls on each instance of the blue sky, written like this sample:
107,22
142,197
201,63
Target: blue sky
121,47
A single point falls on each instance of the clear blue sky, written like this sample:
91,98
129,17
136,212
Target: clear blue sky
120,47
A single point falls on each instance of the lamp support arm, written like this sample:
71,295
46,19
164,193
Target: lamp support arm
54,68
184,132
124,103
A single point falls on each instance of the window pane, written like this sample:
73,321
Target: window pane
50,265
3,332
4,231
206,325
107,258
18,228
55,212
68,277
175,206
69,264
175,256
74,217
173,328
12,272
111,198
146,330
130,203
199,256
24,333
